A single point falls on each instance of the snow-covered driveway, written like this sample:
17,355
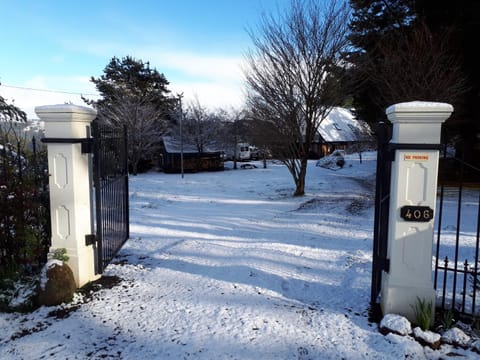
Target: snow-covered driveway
228,265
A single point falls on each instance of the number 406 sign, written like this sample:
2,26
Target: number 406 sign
416,213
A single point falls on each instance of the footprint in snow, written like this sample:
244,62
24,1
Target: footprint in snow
302,353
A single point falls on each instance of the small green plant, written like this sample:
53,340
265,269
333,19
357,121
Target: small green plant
60,254
476,324
423,314
447,319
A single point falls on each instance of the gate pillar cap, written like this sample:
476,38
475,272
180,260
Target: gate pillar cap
65,113
419,111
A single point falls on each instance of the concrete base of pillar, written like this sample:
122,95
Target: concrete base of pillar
401,299
81,261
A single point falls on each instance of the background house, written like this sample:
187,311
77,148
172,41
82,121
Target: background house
193,160
341,130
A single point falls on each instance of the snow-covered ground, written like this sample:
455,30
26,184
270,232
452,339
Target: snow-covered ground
229,265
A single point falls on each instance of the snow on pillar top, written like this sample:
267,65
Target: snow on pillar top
418,122
65,120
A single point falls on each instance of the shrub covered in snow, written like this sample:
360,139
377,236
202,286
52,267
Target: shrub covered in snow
24,206
18,295
334,161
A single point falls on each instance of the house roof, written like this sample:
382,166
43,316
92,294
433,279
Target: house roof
173,146
342,126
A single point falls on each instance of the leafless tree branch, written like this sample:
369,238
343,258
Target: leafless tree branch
145,124
417,66
294,76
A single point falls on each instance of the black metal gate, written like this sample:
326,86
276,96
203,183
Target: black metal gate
457,238
382,202
110,180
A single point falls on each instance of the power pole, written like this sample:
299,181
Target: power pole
180,96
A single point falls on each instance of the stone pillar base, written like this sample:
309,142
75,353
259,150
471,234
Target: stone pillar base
402,299
82,263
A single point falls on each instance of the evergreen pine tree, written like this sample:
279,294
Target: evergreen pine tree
136,96
373,23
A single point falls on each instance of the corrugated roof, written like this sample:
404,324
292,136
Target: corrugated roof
173,146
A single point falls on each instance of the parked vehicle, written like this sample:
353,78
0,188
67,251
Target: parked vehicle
254,153
243,152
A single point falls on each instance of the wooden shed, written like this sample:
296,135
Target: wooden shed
193,160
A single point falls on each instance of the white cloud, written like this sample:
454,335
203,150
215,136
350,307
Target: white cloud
216,80
177,64
205,65
211,95
213,67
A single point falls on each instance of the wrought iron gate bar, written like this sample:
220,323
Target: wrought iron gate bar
477,244
437,250
380,262
457,280
111,192
457,241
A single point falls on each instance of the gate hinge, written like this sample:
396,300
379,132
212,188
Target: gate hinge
87,146
90,239
385,265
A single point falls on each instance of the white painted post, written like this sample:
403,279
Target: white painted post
70,185
416,131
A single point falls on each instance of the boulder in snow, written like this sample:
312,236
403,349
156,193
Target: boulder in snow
476,346
397,324
456,337
427,338
57,284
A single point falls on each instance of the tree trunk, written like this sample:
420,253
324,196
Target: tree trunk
235,154
300,181
134,168
300,190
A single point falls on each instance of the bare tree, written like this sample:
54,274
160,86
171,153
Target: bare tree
200,127
234,131
294,76
145,124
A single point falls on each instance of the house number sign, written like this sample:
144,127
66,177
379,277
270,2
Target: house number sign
416,213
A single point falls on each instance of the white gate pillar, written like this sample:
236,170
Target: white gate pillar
69,182
415,141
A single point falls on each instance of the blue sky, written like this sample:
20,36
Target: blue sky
58,45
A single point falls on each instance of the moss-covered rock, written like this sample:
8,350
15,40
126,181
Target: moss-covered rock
57,284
